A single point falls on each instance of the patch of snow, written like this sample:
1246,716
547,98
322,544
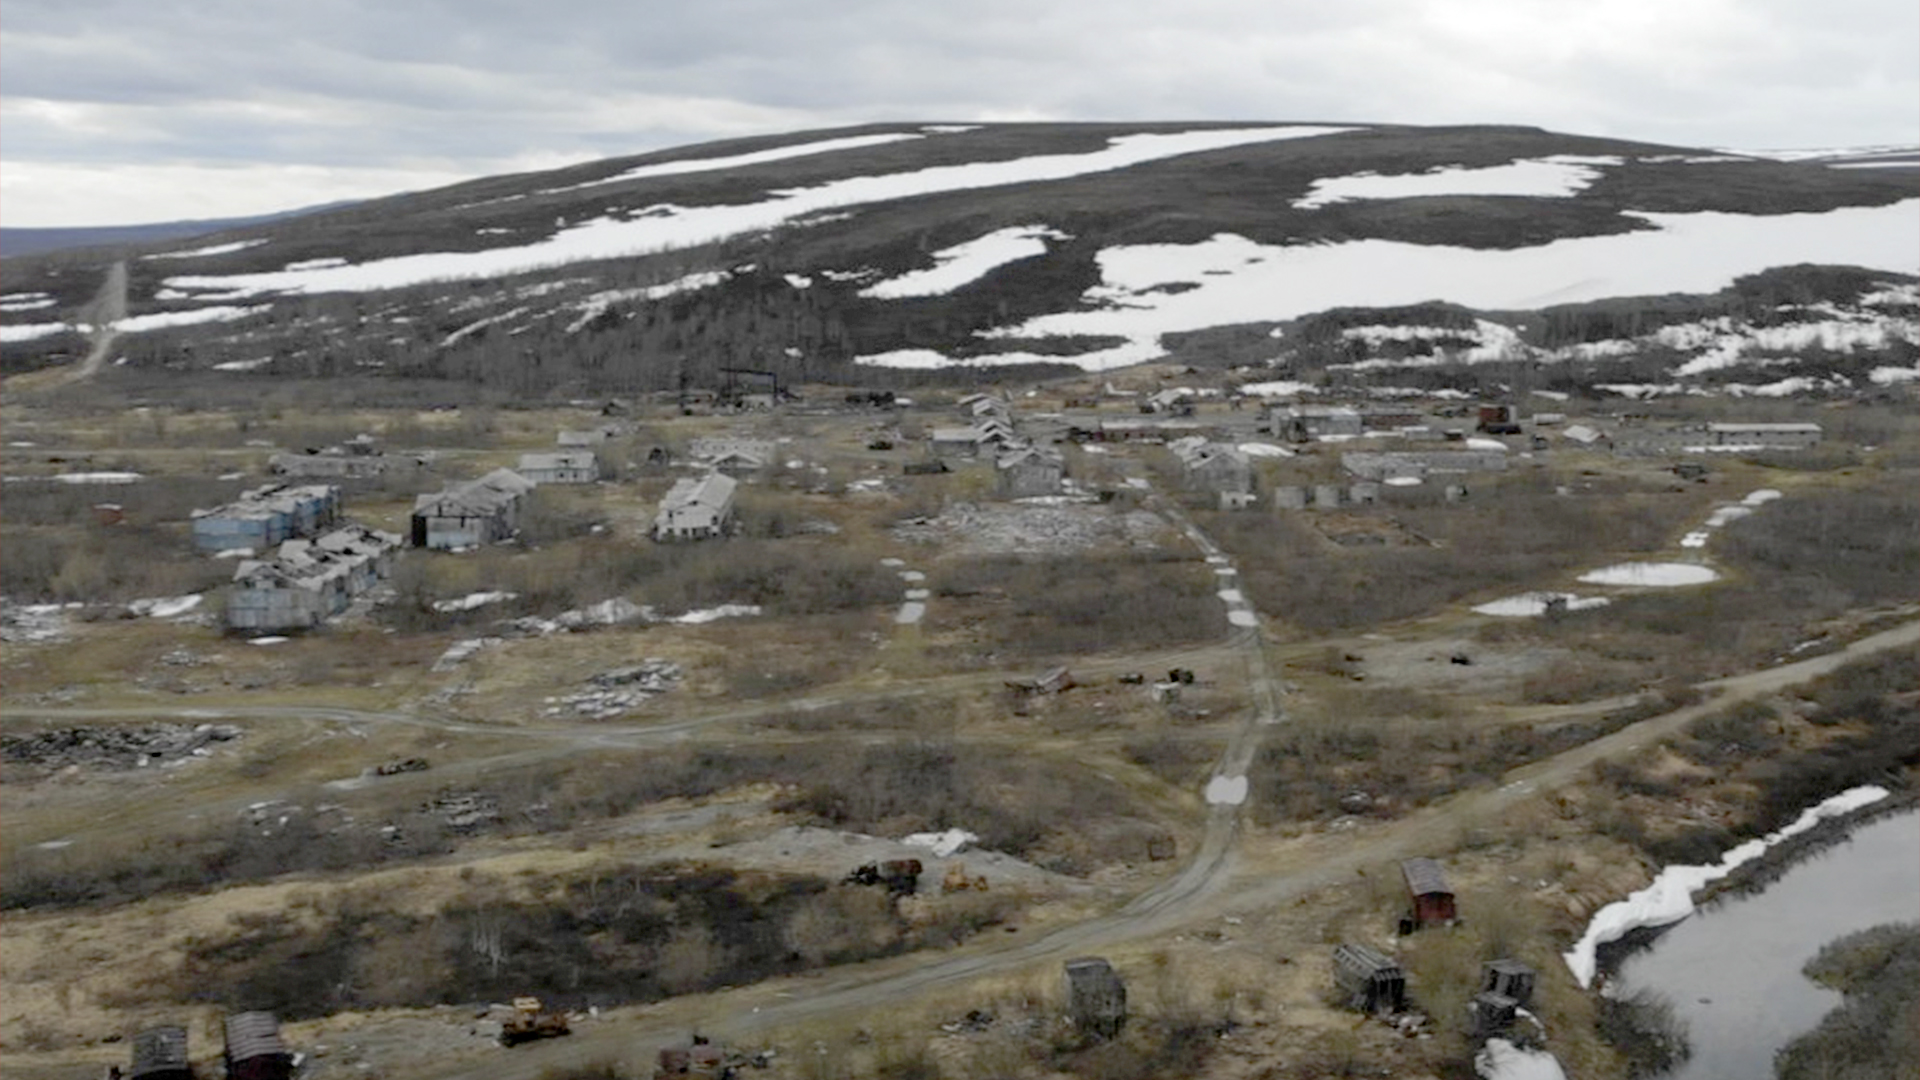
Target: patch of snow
593,306
724,611
316,264
1242,617
910,613
948,129
243,365
30,331
474,600
1534,604
1279,388
1265,450
1232,596
1887,376
270,639
164,319
1502,1060
27,301
1696,539
739,161
799,281
479,325
1241,281
1561,176
165,607
1670,898
1651,575
1476,443
234,553
99,478
1725,514
943,844
965,263
1551,395
1761,497
216,249
1226,791
1403,481
669,228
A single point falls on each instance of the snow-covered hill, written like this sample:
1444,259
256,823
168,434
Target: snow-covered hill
923,247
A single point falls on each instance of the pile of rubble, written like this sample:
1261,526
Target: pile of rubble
616,691
114,747
464,810
27,623
991,529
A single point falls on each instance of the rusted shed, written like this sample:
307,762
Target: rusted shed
161,1054
1096,998
1428,890
1368,980
254,1049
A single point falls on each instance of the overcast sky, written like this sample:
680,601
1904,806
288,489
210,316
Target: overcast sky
118,111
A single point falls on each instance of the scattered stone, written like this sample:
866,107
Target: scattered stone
113,747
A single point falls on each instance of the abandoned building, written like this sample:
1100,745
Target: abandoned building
1304,423
699,509
1020,474
1418,464
1096,997
1427,892
954,441
254,1050
563,467
160,1053
1214,467
1368,980
1176,401
308,581
1765,436
265,516
483,511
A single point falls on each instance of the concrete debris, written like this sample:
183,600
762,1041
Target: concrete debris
620,689
1029,528
114,747
27,623
460,651
462,810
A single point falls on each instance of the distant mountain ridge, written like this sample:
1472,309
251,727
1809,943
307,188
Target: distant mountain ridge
16,242
898,252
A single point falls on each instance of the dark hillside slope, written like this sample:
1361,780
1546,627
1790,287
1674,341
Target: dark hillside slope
808,253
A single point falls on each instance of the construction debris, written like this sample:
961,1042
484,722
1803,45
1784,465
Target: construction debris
114,747
619,690
956,879
900,876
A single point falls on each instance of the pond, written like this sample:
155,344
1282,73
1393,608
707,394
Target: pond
1733,971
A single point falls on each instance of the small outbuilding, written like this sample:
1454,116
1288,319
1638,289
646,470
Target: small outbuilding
1509,978
1368,980
1427,890
561,467
1028,472
1096,997
160,1053
254,1050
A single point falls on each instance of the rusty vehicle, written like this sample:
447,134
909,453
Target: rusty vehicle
531,1020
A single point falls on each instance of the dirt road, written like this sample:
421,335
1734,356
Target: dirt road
108,307
1196,893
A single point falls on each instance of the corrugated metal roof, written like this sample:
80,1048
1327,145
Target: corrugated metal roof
1424,877
253,1034
159,1051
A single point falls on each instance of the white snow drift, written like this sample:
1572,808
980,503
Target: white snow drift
668,228
964,263
1670,898
1561,176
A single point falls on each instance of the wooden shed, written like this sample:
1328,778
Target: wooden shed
1096,998
1369,981
1510,978
1428,892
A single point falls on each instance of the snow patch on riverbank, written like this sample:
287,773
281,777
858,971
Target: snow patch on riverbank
1670,898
